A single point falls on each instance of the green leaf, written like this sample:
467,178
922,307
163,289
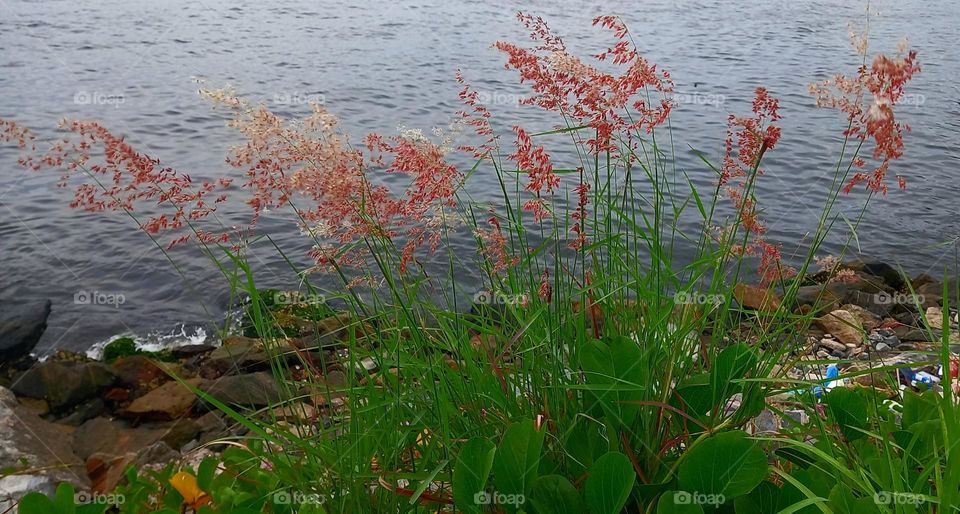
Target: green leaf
727,463
517,461
36,503
64,500
675,502
618,372
733,363
609,484
554,494
848,408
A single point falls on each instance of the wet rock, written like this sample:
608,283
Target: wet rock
756,298
249,390
191,350
890,275
21,325
64,384
843,325
172,400
85,411
139,373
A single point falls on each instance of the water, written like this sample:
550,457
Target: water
383,64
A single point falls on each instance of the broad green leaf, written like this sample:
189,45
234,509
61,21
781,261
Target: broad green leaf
36,503
64,500
677,502
609,484
849,409
617,368
554,494
727,463
517,460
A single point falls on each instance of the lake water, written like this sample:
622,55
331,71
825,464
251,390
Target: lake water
131,64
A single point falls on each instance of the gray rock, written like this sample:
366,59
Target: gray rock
882,347
64,384
21,325
250,390
42,444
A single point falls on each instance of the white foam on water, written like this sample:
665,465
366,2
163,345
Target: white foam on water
155,341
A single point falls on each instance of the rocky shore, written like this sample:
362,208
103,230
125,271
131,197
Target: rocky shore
71,418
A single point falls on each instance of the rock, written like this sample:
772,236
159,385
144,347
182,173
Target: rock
179,432
922,280
336,330
85,411
833,346
239,353
191,350
139,372
843,325
910,334
101,435
867,319
822,298
106,470
172,400
44,446
934,317
64,384
21,325
756,298
883,339
250,390
14,487
890,275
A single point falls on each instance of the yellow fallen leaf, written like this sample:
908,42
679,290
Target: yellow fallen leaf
186,485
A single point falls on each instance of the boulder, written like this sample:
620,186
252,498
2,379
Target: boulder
38,444
21,325
934,317
172,400
842,325
331,331
238,354
756,298
868,320
102,435
106,470
139,372
822,297
249,390
64,384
